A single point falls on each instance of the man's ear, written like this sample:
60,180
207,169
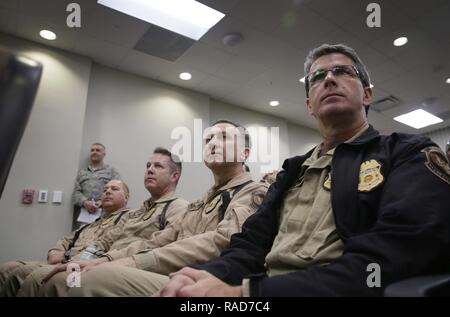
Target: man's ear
308,107
246,153
175,175
367,98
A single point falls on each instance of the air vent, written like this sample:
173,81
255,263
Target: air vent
385,104
163,43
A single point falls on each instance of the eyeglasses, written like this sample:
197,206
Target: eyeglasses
319,75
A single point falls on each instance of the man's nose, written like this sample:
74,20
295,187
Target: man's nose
330,79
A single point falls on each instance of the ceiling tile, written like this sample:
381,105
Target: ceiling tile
391,19
205,58
9,20
265,15
338,12
224,6
112,26
217,87
241,70
418,8
304,30
100,51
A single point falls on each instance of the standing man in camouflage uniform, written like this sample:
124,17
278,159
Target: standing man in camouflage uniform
114,200
202,233
90,182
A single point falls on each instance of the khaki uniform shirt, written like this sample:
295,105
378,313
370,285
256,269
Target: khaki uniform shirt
90,182
90,233
139,225
201,234
307,233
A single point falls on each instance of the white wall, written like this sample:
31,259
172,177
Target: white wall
302,139
266,153
78,104
47,157
131,116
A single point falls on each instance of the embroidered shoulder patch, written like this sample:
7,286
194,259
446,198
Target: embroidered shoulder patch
370,176
437,163
257,198
196,205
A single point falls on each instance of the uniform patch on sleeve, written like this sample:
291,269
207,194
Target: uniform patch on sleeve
196,205
257,198
437,163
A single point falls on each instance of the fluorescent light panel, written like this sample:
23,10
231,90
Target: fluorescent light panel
186,17
418,119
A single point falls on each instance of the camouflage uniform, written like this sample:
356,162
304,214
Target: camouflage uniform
89,185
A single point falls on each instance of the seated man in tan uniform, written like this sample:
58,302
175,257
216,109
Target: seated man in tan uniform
161,178
114,200
201,234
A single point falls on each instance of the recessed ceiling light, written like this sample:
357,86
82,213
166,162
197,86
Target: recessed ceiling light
187,17
302,80
185,76
274,103
48,35
418,119
448,81
401,41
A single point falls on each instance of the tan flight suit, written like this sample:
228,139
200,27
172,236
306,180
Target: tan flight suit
14,273
133,228
141,224
201,234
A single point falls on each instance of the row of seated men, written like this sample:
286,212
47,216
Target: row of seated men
357,201
165,234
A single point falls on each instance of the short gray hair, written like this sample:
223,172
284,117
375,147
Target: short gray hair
326,49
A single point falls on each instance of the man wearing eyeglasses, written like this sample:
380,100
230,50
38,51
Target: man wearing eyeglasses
356,213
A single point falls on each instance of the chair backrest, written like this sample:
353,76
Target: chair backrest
19,80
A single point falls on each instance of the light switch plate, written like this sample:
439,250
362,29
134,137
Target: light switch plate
43,196
57,197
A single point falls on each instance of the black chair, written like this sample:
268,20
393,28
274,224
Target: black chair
19,80
421,286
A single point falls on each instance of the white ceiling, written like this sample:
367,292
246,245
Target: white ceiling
267,64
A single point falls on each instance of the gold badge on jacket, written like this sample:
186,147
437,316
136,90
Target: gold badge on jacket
437,163
370,175
213,203
327,182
